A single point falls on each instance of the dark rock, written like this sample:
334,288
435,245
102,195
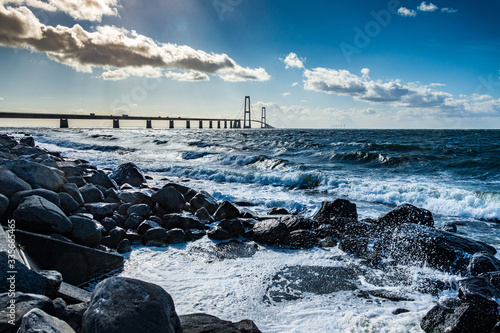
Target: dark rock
217,233
51,196
120,219
54,279
123,305
450,227
303,239
203,199
133,198
233,226
483,263
474,288
37,175
68,204
128,173
10,183
337,208
494,278
194,234
109,223
226,211
175,236
87,232
204,216
70,169
28,140
23,304
40,215
77,180
181,188
133,221
327,230
146,225
278,211
272,232
99,177
391,296
400,311
156,235
249,222
60,237
91,194
406,214
4,204
189,195
204,323
111,193
133,237
171,200
101,210
297,223
73,190
38,321
328,242
124,208
114,237
124,246
140,209
182,221
71,314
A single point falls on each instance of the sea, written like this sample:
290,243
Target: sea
453,173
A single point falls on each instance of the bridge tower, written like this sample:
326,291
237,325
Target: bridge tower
247,121
263,118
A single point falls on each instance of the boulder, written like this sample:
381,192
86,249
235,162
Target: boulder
406,214
171,200
278,211
124,246
68,204
155,235
205,200
303,239
40,215
28,140
217,233
128,173
71,314
37,175
297,223
99,177
91,194
204,323
72,189
23,304
87,232
175,236
233,226
51,196
124,305
38,321
146,225
182,221
204,216
4,204
10,183
181,188
114,237
133,237
140,209
337,208
226,211
133,221
483,263
477,288
77,180
101,210
271,232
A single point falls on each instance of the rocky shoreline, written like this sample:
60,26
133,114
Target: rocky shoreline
43,194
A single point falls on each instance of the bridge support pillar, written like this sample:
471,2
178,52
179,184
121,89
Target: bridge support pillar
63,123
171,124
210,124
230,124
225,123
149,123
201,123
188,124
116,123
218,123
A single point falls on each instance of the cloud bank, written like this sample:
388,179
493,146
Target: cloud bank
121,53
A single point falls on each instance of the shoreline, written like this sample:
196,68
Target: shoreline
114,209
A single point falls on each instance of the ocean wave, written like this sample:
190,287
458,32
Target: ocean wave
87,146
194,155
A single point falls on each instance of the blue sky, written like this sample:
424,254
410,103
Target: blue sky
362,63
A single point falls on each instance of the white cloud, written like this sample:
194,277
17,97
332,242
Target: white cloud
365,72
437,85
91,10
424,7
295,84
293,61
286,94
1,98
449,10
119,52
187,76
477,97
403,11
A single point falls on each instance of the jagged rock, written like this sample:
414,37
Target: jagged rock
450,227
124,246
38,321
140,209
72,189
37,175
101,210
204,216
133,221
28,140
68,204
4,204
233,226
217,233
203,199
472,289
182,221
124,208
171,200
10,183
133,237
337,208
304,239
77,180
99,177
406,214
194,234
124,305
226,211
23,304
204,323
483,263
109,223
175,236
156,235
71,314
40,215
51,196
146,225
128,173
181,188
272,232
278,211
91,194
87,232
114,237
297,223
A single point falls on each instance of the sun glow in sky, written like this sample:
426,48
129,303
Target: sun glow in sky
362,63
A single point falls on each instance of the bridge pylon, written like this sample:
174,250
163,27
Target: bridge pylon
247,122
263,118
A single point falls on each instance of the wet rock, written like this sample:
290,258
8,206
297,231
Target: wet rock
472,289
71,314
181,221
124,246
181,188
171,200
146,225
123,305
72,189
133,221
99,177
77,180
140,209
87,232
46,194
128,173
68,204
450,227
175,236
28,140
40,215
204,200
101,210
336,208
483,263
400,311
114,237
233,226
297,223
38,321
123,208
303,239
91,194
217,233
204,323
406,214
157,235
194,234
328,242
278,211
10,183
391,296
226,211
109,223
23,304
133,237
271,232
204,216
4,204
37,175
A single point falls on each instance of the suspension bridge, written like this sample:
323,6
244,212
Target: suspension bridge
187,122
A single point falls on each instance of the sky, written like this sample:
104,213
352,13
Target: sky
312,64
